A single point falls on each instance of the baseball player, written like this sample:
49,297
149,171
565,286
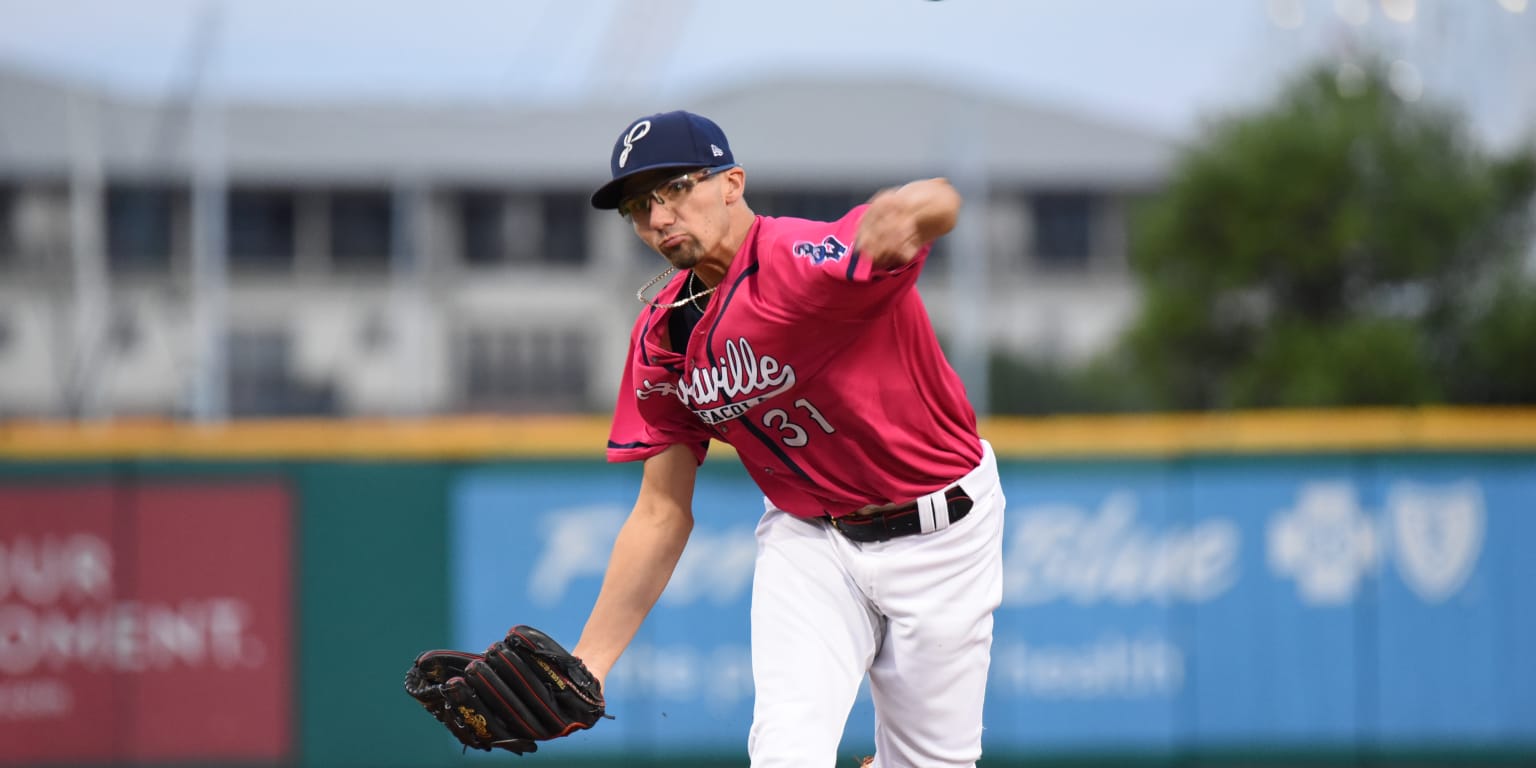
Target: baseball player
805,346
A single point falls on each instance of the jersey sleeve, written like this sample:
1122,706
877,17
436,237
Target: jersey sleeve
648,417
818,265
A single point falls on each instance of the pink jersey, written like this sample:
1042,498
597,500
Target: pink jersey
822,371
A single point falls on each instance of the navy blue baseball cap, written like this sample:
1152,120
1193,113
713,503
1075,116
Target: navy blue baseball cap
666,140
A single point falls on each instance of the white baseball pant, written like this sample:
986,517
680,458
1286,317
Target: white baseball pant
914,613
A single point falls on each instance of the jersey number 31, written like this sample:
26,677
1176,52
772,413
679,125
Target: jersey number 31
790,433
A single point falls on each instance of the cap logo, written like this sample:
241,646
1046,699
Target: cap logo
716,151
636,132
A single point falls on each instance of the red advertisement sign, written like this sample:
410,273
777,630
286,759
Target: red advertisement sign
145,622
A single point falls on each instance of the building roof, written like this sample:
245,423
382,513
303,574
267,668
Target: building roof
869,129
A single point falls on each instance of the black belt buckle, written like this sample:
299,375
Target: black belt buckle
901,521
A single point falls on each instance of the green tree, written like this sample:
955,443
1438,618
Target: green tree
1343,247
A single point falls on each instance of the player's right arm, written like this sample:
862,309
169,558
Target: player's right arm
901,221
849,268
643,558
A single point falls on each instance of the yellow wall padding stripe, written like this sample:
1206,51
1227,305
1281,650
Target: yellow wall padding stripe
1299,431
1418,429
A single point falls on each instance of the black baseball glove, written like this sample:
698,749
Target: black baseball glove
522,690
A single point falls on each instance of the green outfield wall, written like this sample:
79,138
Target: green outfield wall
154,572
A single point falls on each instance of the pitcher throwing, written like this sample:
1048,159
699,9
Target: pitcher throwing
805,346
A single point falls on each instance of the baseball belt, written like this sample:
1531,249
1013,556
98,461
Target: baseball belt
933,512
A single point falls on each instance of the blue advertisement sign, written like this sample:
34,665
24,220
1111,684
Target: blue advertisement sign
685,684
1148,606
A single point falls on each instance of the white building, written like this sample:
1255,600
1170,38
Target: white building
396,260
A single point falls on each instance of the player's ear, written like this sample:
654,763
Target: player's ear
735,181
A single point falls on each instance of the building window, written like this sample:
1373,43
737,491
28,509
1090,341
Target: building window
261,229
565,228
522,229
139,227
497,229
1063,230
816,205
10,244
480,227
34,224
261,380
361,229
525,369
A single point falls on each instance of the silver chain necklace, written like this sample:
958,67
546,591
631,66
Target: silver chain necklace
640,294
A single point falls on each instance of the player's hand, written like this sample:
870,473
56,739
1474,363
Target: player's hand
888,233
901,221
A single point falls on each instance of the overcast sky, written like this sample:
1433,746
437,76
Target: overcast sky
1160,63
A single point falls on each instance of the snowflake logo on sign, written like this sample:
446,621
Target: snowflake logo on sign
1326,542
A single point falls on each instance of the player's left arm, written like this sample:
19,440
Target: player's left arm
903,220
644,556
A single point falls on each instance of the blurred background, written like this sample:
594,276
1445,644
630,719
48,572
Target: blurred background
295,293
